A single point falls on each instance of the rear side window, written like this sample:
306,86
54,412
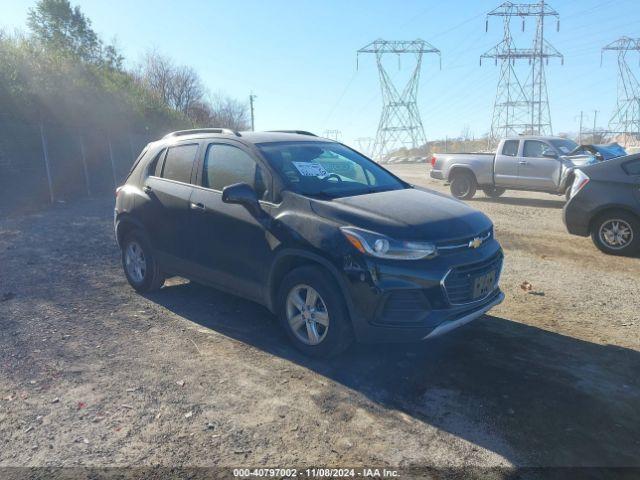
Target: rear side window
632,168
225,165
510,148
179,162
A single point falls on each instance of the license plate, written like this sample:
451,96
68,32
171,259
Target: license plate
484,284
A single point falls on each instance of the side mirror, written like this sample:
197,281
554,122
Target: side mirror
549,154
243,194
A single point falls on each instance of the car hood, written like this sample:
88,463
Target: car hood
580,160
408,214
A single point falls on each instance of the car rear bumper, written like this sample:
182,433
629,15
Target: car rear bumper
414,301
437,174
576,218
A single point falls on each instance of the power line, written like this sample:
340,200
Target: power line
344,92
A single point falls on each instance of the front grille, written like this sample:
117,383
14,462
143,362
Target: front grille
404,307
454,246
459,282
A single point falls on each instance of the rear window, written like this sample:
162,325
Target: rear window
632,168
179,162
510,148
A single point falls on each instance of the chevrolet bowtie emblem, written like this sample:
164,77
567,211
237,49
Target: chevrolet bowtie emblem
475,243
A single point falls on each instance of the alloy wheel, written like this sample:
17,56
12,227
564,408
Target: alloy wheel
307,315
616,234
135,262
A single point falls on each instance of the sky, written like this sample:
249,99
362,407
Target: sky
299,56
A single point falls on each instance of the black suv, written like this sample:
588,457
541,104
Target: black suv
338,247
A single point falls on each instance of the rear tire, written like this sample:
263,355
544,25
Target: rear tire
140,266
463,185
616,233
317,327
493,192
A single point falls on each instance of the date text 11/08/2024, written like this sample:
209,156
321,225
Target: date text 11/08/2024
316,472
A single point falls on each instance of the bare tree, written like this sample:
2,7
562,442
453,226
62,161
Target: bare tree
200,114
465,134
185,89
180,88
229,113
156,73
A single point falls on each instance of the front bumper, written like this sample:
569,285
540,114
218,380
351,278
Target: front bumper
396,301
445,327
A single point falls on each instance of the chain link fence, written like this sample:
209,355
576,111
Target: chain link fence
44,163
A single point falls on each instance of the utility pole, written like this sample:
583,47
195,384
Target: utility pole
252,97
522,108
580,133
400,123
595,119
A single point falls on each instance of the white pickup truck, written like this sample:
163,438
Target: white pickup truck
534,163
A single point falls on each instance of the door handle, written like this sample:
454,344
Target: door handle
197,206
147,189
523,162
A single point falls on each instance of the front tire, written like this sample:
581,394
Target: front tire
313,312
140,266
616,233
463,185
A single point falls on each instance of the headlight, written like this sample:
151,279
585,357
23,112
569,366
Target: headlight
381,246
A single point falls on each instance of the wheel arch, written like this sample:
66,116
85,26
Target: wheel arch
457,169
125,224
610,209
289,259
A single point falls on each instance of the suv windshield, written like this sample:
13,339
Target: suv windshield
564,146
327,169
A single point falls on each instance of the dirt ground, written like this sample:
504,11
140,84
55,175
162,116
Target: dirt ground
92,373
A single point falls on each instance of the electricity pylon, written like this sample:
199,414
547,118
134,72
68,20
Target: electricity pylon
626,118
365,145
511,107
534,91
400,123
333,134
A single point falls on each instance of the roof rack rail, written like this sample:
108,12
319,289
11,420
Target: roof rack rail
299,132
225,131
